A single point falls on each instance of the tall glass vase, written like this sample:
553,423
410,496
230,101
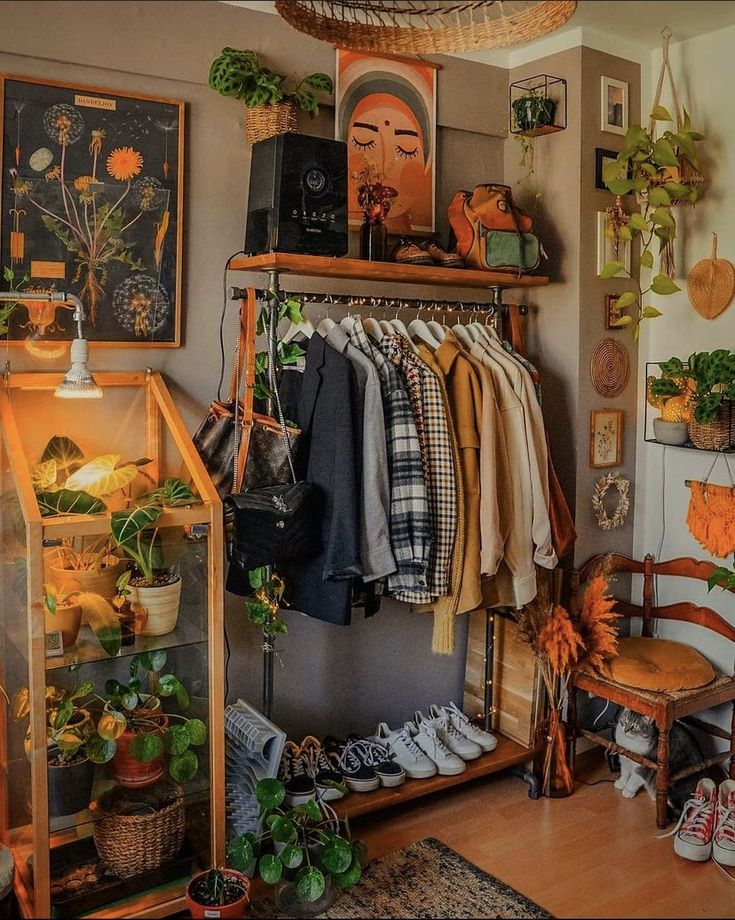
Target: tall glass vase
373,241
553,760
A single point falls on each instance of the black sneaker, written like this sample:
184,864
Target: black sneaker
358,775
293,774
376,756
323,769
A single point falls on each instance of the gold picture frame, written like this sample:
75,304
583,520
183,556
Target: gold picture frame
606,438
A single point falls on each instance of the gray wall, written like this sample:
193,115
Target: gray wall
331,678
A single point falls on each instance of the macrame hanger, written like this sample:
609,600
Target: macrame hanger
666,68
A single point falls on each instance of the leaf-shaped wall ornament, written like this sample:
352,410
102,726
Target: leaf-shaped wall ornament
63,450
44,475
102,476
64,501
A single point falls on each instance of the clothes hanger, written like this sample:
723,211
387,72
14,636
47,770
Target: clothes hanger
385,324
463,333
418,329
373,328
437,329
305,328
326,324
399,326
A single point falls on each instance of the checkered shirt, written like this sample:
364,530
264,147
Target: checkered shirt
439,466
410,523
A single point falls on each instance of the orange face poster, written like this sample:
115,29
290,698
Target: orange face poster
386,113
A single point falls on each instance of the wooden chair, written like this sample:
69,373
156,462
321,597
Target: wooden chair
663,707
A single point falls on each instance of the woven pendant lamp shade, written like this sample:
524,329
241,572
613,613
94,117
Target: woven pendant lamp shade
425,26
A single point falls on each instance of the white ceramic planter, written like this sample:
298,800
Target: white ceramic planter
161,603
674,433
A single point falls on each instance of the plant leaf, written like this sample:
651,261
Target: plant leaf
337,856
270,868
174,492
292,856
637,222
63,714
103,619
663,285
102,476
146,746
663,217
283,830
626,300
650,312
659,197
126,525
99,749
64,501
241,851
351,876
663,153
44,475
197,732
155,660
111,725
319,81
176,739
660,113
310,883
270,793
612,269
63,450
646,258
621,186
184,767
168,684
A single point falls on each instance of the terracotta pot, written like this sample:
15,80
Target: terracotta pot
234,910
69,787
552,764
131,772
161,604
68,620
103,582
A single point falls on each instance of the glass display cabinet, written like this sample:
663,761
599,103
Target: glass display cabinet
112,738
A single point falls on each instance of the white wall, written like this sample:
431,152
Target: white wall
705,72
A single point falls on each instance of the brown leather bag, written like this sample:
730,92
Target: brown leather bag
563,531
493,234
240,447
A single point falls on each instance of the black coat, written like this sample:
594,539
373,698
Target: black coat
330,416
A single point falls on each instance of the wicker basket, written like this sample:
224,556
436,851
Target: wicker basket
264,121
139,830
716,435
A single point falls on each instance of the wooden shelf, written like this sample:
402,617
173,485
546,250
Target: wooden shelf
506,754
361,270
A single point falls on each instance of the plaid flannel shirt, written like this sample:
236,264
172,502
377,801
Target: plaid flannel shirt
410,524
429,404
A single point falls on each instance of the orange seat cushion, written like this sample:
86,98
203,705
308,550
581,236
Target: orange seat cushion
659,665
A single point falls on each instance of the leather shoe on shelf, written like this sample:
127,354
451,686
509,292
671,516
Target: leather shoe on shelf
406,252
441,257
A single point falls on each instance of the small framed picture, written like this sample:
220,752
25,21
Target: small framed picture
606,438
606,245
614,106
602,158
612,312
54,644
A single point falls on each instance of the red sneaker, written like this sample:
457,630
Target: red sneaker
695,828
723,842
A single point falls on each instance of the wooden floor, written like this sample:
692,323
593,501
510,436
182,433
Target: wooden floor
591,855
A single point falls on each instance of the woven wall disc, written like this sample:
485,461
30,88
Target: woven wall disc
610,368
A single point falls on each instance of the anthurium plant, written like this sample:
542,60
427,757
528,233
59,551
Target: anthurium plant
310,843
65,482
652,168
713,378
241,75
128,708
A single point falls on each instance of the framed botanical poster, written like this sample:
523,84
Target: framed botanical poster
92,204
606,438
609,247
613,105
386,113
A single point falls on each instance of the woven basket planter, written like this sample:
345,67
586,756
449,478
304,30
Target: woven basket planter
138,831
264,121
714,435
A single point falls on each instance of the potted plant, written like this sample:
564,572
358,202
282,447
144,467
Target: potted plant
140,737
712,376
305,851
673,401
533,110
66,607
65,482
218,893
651,168
153,586
93,566
132,616
271,100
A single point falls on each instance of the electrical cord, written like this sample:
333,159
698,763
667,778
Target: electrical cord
223,315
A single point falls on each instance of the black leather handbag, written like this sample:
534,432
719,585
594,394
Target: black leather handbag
269,526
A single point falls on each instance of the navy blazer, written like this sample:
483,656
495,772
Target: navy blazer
330,457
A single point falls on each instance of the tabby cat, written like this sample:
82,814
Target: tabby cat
639,734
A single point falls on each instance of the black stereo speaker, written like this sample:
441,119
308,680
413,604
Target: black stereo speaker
298,196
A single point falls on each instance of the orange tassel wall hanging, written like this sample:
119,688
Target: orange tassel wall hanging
711,517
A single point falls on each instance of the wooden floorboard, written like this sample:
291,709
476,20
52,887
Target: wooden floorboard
591,855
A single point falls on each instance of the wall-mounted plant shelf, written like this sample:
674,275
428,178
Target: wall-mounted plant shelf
537,105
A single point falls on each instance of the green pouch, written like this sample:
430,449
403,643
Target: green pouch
511,250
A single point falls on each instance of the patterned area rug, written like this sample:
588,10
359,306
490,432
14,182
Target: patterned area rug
426,880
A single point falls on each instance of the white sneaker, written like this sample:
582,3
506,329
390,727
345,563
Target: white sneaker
404,750
457,743
426,737
484,740
723,841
